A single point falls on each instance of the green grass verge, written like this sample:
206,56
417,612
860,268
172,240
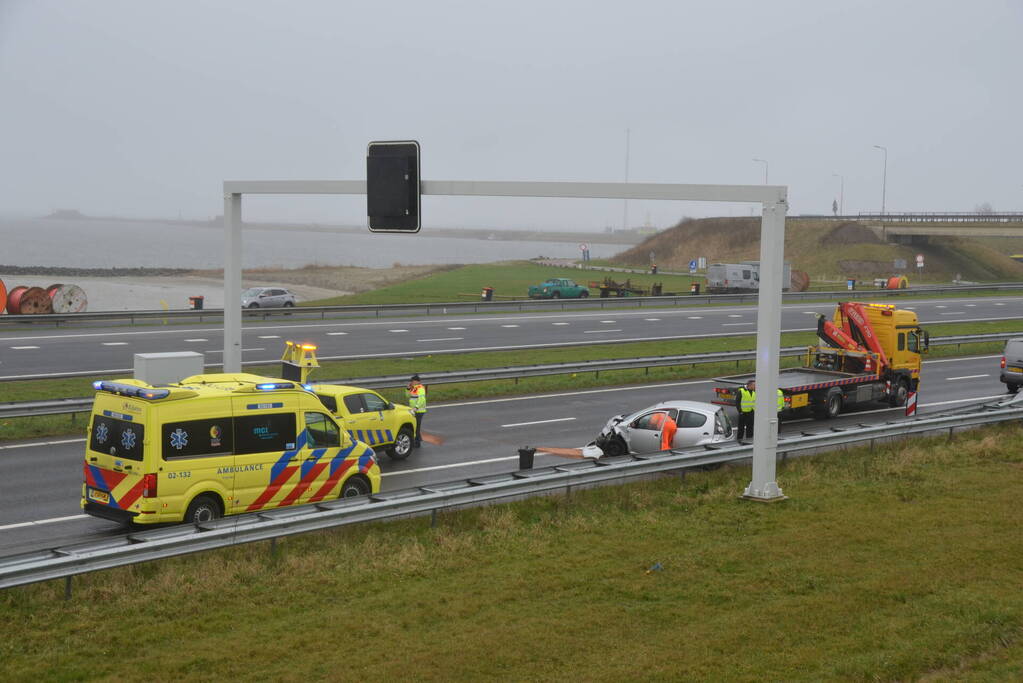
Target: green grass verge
509,280
26,428
902,563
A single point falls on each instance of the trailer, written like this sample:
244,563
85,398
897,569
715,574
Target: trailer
737,278
871,354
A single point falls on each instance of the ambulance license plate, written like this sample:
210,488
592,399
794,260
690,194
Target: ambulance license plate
99,496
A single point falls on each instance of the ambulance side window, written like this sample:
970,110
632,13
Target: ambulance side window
196,438
329,402
322,431
263,433
354,404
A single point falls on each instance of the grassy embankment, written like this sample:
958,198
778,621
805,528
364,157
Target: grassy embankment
904,563
24,428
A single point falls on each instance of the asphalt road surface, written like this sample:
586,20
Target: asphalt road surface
40,482
30,353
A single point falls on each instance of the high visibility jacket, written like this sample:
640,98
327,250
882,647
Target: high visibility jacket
417,398
747,400
781,401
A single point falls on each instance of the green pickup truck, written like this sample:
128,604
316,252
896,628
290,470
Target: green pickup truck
558,288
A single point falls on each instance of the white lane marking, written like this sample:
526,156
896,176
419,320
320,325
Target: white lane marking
909,308
952,379
509,325
969,305
99,372
114,343
959,360
583,392
539,422
441,339
43,521
733,324
269,336
597,331
42,443
397,330
192,341
456,328
998,304
608,322
694,317
559,323
24,348
940,306
448,467
651,319
954,313
335,334
733,315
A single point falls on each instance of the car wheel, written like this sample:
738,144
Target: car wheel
289,304
202,509
555,295
354,486
402,444
583,294
253,305
614,446
833,405
900,395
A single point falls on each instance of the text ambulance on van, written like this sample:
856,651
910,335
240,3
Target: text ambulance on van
213,445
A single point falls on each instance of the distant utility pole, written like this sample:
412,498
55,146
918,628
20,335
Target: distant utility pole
841,193
884,189
625,210
765,169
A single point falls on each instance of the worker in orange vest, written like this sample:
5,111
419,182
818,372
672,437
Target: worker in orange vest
668,427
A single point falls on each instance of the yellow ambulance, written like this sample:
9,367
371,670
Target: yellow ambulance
213,445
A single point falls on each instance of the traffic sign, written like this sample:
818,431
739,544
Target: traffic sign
584,246
393,200
692,266
919,258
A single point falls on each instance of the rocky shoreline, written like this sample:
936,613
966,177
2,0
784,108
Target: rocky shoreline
93,272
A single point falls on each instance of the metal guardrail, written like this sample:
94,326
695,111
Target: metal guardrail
78,405
514,305
142,546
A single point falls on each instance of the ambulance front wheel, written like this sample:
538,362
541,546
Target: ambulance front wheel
355,486
402,444
203,509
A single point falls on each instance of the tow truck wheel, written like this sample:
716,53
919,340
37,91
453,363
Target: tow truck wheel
202,509
402,444
614,446
355,486
900,394
833,405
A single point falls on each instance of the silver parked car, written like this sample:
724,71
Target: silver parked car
267,297
640,432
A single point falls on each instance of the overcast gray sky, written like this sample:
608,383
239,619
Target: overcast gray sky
143,108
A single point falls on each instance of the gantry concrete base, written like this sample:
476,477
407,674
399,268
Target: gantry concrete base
770,493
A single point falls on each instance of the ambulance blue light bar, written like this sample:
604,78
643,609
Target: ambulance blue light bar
130,390
270,386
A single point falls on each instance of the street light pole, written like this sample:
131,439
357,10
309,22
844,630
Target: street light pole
765,169
841,192
884,189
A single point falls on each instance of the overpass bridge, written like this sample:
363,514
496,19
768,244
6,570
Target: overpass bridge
911,227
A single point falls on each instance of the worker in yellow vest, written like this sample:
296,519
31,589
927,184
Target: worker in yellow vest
747,402
416,393
781,401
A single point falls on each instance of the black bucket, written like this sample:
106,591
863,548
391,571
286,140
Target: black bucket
526,458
